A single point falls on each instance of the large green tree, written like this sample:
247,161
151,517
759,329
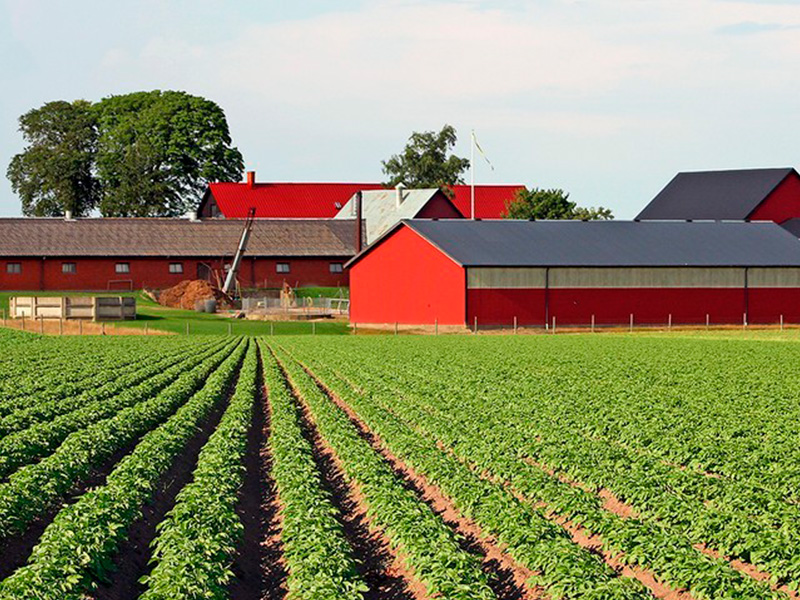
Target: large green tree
551,204
427,161
55,171
158,150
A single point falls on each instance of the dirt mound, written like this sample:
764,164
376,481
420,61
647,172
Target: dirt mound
187,293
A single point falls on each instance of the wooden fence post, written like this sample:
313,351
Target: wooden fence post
744,320
515,325
669,322
80,327
436,326
355,328
781,322
475,330
395,327
103,327
708,320
631,327
554,324
592,323
60,326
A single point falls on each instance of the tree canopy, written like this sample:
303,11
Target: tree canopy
139,154
538,203
427,161
54,173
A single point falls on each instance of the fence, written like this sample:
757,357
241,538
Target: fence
296,307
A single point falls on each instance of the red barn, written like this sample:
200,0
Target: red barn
574,273
738,195
325,200
105,254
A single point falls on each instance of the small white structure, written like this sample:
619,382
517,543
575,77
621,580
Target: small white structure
96,308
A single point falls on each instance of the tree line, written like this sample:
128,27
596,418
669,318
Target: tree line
152,154
143,154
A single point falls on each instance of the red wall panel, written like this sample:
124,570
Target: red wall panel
439,208
782,204
766,305
613,306
100,273
651,306
500,306
407,280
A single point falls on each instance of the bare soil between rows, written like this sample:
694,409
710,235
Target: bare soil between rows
259,568
134,553
507,578
378,565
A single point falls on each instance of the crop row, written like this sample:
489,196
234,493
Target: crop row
565,570
199,536
737,519
318,558
77,547
431,548
32,490
68,372
488,437
37,410
26,446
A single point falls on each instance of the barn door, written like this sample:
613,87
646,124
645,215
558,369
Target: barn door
203,272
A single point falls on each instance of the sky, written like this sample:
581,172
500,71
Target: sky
606,99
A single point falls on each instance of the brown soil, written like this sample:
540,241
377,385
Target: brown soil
77,327
16,550
259,567
188,292
747,569
134,553
382,569
507,578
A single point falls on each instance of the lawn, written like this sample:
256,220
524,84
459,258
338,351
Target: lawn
155,316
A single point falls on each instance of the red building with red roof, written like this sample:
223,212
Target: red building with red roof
325,200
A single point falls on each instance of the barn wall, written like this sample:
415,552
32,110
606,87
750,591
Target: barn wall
405,279
782,204
439,207
574,295
100,274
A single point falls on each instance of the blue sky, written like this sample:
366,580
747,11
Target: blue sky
607,99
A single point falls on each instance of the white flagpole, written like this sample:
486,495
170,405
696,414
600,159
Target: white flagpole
472,185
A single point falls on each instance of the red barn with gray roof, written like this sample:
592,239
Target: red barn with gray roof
573,273
735,195
119,253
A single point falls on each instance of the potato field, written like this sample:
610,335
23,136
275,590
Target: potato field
600,467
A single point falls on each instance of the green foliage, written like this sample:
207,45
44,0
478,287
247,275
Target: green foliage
426,161
75,549
198,537
318,557
158,150
142,154
55,171
411,526
543,204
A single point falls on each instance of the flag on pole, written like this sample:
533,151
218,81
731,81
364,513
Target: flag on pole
483,154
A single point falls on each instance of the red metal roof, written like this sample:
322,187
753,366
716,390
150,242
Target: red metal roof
324,200
490,200
285,200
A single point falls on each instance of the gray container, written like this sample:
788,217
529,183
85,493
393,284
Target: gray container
199,305
210,305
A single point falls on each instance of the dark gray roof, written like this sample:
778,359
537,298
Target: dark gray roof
716,195
174,237
792,226
609,243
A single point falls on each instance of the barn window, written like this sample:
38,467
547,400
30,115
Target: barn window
282,267
69,267
336,267
123,267
14,268
176,268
